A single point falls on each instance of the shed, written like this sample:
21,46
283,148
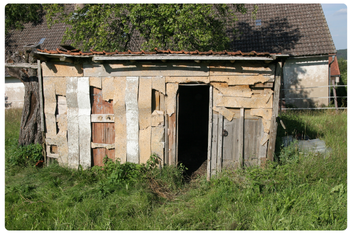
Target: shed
186,107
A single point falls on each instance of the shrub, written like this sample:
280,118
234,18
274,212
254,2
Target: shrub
22,155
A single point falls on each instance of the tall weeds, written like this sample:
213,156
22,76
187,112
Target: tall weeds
299,191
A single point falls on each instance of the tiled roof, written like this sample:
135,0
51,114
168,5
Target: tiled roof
156,51
295,29
334,67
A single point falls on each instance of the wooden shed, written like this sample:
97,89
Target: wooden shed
190,107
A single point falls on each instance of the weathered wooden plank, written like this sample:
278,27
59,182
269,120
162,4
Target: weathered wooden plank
259,101
241,80
224,112
158,83
210,132
50,108
157,141
187,79
60,85
273,126
171,89
240,151
95,82
220,137
145,102
102,145
240,68
172,139
145,144
108,88
214,144
83,99
132,127
72,122
165,69
233,91
120,119
157,118
64,69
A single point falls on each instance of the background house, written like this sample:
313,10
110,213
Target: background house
299,30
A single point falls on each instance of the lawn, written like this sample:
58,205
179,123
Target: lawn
299,191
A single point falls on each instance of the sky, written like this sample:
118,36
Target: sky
336,17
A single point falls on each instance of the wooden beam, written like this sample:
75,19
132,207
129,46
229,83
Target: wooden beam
22,65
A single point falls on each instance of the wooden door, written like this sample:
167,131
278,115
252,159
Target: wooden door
103,128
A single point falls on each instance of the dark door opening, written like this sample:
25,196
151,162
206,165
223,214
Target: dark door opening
193,118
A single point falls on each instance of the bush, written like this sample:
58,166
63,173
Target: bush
27,155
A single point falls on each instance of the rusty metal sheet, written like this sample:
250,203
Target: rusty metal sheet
103,133
102,118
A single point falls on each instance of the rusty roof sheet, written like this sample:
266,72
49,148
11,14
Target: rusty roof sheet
76,52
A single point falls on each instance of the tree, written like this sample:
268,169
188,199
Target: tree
113,27
16,15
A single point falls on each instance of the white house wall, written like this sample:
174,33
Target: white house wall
300,75
14,91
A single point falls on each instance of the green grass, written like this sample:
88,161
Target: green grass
306,192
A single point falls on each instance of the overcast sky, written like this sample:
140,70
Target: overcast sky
336,16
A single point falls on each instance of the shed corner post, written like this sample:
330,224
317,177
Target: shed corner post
273,125
41,108
210,131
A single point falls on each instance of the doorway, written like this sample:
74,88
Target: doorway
193,116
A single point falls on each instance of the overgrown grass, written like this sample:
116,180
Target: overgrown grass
307,192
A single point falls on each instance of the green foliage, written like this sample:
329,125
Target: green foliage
17,155
18,14
342,91
111,27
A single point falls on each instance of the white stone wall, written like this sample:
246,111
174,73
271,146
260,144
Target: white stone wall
14,91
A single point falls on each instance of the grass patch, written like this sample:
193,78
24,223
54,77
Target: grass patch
304,192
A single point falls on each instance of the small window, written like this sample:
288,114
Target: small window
258,22
53,149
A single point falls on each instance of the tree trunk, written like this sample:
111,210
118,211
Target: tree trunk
30,131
